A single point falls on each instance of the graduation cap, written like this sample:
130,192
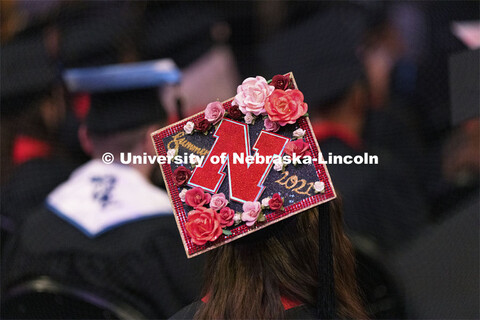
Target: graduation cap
464,85
27,72
123,96
227,171
181,30
323,51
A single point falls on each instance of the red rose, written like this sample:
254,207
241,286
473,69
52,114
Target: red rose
202,125
181,176
280,82
226,217
203,225
299,147
285,106
196,197
276,202
234,112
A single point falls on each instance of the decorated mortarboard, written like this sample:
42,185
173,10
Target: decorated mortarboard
123,96
242,164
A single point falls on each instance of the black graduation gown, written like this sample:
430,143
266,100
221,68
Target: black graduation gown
299,312
380,201
141,263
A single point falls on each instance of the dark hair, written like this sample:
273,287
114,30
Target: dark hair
246,279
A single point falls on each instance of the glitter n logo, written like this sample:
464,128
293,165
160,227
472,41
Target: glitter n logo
245,180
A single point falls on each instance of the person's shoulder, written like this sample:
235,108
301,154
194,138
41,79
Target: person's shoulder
46,231
187,312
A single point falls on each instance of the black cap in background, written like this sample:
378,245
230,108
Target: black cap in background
321,51
28,72
464,85
116,111
179,30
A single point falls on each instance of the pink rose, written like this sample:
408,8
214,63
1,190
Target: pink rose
298,147
226,216
214,112
285,106
218,201
203,225
196,197
270,125
251,95
251,210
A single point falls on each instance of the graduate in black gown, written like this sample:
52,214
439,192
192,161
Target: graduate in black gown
327,64
107,229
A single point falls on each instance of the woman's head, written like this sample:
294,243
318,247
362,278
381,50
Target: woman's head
247,278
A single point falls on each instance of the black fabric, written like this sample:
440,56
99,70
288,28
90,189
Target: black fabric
438,273
326,286
141,263
115,111
300,312
27,70
29,185
465,85
380,201
178,30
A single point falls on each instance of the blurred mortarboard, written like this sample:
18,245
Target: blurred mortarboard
124,96
179,30
94,33
322,51
27,71
464,85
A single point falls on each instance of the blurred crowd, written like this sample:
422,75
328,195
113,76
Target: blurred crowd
377,76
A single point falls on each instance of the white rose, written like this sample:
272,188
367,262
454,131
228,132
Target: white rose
237,218
252,94
265,202
188,127
319,186
278,164
248,118
182,195
171,153
299,133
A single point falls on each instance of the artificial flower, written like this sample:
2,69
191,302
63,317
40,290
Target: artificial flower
218,201
226,216
319,186
182,194
299,133
188,127
214,112
270,125
265,202
202,125
251,210
298,147
276,202
203,225
280,81
251,95
171,153
278,164
181,176
234,112
196,197
248,118
285,107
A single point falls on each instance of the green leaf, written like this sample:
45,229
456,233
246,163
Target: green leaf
305,115
261,217
226,232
